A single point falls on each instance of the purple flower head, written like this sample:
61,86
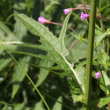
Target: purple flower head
66,11
42,20
84,16
97,75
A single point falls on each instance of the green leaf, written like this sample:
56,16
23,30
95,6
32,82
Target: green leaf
103,8
105,85
57,105
99,103
6,29
77,95
77,52
39,106
103,101
62,35
81,73
103,58
19,74
100,36
4,63
19,106
50,42
43,72
42,75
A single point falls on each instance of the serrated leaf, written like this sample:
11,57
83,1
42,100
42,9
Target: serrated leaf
19,74
75,90
49,41
43,72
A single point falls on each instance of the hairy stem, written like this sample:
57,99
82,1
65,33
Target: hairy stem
87,95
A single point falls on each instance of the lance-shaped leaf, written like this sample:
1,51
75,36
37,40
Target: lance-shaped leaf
50,42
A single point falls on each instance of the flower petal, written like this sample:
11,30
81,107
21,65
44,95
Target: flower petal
97,75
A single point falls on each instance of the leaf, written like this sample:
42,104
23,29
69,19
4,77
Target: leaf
39,106
62,35
19,74
19,106
100,36
103,58
77,52
81,73
103,101
43,72
105,85
4,63
103,8
57,105
77,98
11,36
75,90
50,42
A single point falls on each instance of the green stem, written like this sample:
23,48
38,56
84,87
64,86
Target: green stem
83,1
87,95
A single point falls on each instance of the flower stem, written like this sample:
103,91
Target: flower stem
87,94
61,25
72,45
84,6
100,17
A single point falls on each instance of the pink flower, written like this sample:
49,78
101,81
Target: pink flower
97,75
66,11
42,20
84,16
